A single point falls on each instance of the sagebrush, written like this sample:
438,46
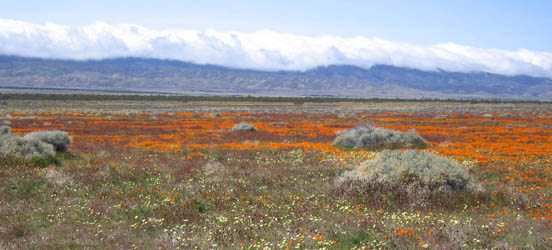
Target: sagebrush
12,144
244,126
41,144
371,137
59,139
420,169
4,130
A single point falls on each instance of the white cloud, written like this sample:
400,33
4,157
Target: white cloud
263,49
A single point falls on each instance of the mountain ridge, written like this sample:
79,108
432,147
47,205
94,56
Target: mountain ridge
380,80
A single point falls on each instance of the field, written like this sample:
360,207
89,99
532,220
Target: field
168,174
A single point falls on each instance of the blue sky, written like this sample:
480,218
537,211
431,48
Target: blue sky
511,37
488,24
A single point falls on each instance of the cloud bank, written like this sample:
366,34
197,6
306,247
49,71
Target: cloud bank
265,49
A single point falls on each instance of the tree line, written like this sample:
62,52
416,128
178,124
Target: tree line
239,98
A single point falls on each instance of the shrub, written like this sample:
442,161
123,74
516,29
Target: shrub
371,137
36,148
244,126
12,144
4,130
59,139
421,170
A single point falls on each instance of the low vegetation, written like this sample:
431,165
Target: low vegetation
106,95
37,148
172,175
4,130
58,139
244,126
408,177
370,137
422,169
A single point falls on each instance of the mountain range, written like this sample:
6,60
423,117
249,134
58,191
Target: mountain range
170,76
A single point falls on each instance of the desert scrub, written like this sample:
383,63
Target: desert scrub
244,126
410,176
12,144
4,130
414,167
59,139
370,137
36,148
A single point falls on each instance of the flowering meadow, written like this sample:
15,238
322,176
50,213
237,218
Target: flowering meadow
173,175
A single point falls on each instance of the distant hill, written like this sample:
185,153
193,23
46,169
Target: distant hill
141,74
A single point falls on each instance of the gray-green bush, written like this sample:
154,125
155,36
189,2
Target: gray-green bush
59,139
423,170
4,130
244,126
41,144
12,144
371,137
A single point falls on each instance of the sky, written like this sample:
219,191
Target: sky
507,37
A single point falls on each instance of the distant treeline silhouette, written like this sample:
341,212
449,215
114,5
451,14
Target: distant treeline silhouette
238,98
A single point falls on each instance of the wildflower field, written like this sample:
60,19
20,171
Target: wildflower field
175,175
